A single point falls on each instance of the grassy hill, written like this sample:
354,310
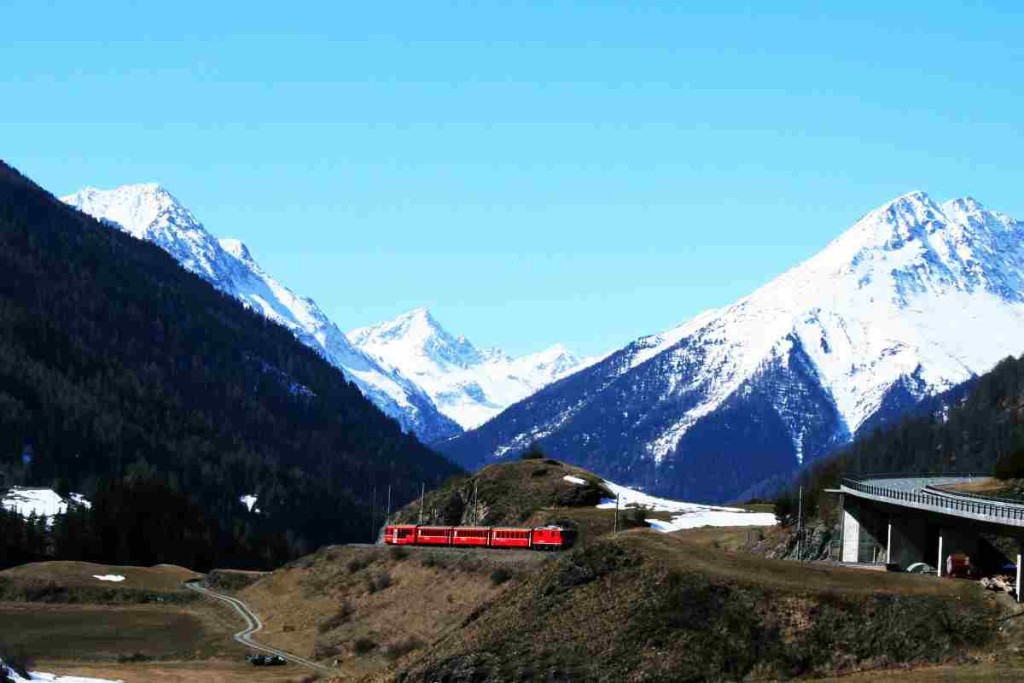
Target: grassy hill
646,606
506,494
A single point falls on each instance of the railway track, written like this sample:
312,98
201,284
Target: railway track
254,625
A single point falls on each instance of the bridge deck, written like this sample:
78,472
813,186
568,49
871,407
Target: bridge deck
921,493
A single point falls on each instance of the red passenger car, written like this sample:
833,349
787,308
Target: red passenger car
400,534
471,535
502,537
434,535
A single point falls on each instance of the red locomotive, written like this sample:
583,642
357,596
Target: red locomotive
538,538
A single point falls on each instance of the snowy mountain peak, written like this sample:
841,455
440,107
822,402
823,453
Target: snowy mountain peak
468,384
912,299
148,211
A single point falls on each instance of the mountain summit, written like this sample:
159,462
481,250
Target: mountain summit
913,299
467,384
149,212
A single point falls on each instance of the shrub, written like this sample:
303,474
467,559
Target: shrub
364,645
401,648
357,563
378,582
133,657
500,576
340,617
398,553
1010,465
323,648
434,560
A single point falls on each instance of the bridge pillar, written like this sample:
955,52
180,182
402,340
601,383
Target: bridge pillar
851,537
1020,550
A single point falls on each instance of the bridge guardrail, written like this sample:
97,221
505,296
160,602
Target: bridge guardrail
947,502
964,494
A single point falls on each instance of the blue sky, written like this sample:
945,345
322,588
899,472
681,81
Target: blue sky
531,171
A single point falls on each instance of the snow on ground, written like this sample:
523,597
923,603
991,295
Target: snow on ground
116,578
687,515
40,502
573,480
52,678
249,501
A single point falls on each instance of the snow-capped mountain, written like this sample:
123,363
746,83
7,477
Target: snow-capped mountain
467,384
913,299
149,212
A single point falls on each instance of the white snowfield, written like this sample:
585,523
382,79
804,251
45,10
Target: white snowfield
467,384
53,678
39,502
149,212
116,578
573,480
687,515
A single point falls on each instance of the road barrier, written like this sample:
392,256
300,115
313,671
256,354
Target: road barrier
953,502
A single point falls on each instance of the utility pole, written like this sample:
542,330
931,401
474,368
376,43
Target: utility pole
800,524
476,503
615,527
423,488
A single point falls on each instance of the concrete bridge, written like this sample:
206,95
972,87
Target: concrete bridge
904,520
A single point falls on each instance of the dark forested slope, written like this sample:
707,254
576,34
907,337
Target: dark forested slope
973,428
125,377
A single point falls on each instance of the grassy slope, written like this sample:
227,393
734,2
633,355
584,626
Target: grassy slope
657,607
321,605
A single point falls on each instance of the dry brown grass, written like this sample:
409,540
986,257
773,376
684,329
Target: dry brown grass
321,607
983,486
105,632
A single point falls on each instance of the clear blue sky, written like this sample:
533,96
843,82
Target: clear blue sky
532,171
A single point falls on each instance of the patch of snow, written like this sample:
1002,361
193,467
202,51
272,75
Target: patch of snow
687,515
13,677
574,480
249,501
116,578
39,502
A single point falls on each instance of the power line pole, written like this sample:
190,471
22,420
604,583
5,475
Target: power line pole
800,524
423,488
476,502
615,526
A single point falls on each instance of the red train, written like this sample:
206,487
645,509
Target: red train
538,538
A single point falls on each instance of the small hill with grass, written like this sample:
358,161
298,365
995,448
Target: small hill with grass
646,606
87,582
507,494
